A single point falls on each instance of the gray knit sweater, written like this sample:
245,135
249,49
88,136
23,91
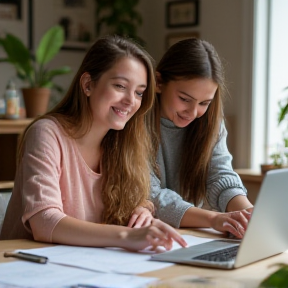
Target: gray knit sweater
222,184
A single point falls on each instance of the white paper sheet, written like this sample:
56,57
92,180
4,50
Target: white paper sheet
27,274
109,260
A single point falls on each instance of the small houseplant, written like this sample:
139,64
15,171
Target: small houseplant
282,116
280,157
33,70
118,17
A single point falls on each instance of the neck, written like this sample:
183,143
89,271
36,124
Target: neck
90,147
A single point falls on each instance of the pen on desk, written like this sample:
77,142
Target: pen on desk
27,257
85,286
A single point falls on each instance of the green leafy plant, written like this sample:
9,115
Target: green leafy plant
33,69
118,17
283,109
278,279
277,159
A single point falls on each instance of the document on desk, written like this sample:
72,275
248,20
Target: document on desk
26,274
109,260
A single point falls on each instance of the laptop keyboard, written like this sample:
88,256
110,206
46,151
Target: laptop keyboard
223,255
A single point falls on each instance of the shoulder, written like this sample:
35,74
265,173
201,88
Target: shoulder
222,129
45,126
45,130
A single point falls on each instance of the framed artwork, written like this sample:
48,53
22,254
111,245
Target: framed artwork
77,17
10,10
176,37
183,13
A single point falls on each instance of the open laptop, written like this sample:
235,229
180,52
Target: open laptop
266,235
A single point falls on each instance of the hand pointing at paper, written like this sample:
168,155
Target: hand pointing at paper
157,234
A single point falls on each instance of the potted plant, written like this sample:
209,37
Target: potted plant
282,116
277,163
118,17
33,70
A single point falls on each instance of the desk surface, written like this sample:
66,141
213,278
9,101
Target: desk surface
251,275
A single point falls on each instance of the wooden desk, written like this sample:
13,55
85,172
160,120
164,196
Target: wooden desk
9,132
251,275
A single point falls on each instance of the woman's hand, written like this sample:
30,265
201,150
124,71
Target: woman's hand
141,217
234,222
154,235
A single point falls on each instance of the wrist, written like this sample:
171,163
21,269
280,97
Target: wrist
124,237
149,206
211,218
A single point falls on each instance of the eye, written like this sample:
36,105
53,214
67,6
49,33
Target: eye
205,103
140,93
184,99
119,86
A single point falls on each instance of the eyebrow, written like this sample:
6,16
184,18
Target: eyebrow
182,92
127,80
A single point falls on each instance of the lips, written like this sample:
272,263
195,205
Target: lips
184,118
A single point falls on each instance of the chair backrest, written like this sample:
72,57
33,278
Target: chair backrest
4,200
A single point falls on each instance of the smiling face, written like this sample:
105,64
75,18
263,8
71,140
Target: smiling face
182,101
117,95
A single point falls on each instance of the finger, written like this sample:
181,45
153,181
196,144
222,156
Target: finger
239,216
229,228
234,227
167,243
250,210
170,231
140,220
247,213
132,220
147,221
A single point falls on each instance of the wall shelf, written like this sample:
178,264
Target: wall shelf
16,126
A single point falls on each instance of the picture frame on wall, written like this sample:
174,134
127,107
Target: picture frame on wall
77,19
10,10
173,38
182,13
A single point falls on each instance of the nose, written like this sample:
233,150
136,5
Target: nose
193,111
129,98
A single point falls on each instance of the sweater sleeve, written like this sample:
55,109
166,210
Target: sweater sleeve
169,205
40,177
223,183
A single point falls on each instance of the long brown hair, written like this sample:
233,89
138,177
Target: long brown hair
125,164
191,59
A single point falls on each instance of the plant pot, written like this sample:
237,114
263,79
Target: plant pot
36,101
268,167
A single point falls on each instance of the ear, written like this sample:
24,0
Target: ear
158,82
86,84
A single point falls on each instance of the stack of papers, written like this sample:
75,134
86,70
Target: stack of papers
99,267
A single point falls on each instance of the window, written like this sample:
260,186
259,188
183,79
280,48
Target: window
270,77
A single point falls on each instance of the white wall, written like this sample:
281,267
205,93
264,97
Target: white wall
228,25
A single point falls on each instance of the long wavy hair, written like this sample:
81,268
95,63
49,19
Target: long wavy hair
191,59
125,160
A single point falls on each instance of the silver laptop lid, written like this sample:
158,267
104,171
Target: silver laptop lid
267,232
